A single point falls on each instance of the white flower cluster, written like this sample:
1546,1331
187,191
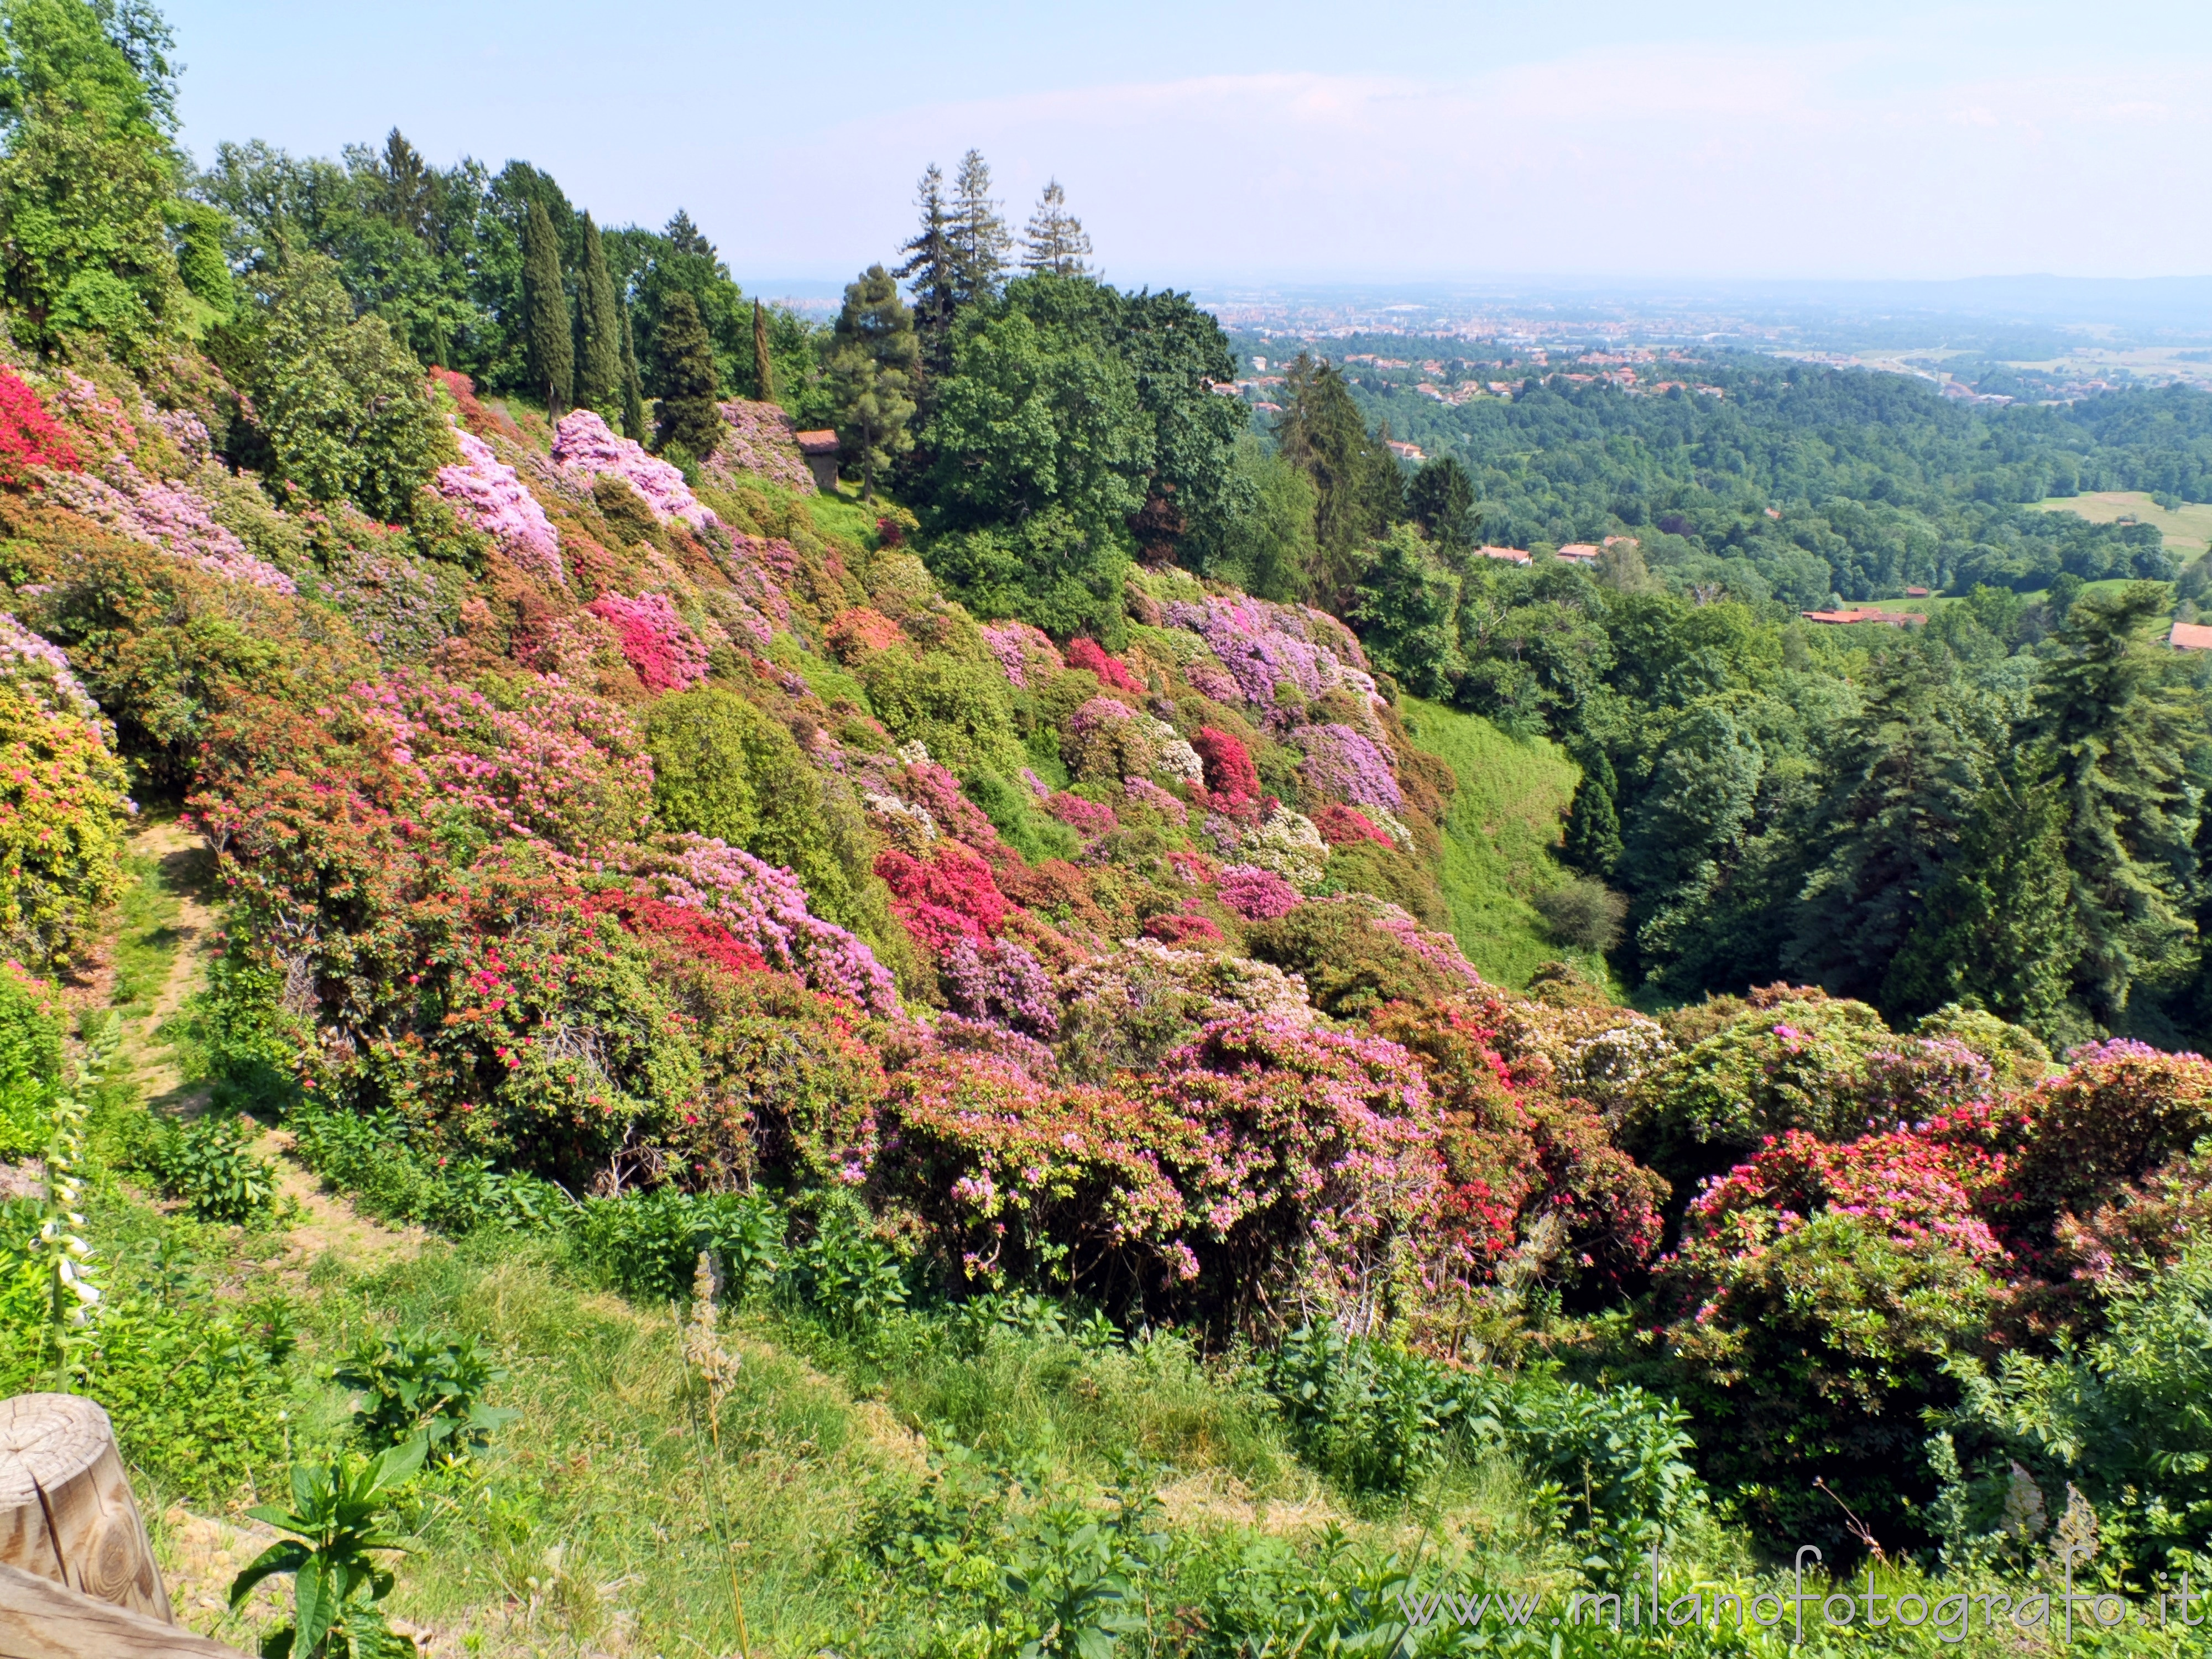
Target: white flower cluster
1288,844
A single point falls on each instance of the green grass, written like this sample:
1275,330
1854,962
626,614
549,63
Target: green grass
1500,839
146,943
2187,530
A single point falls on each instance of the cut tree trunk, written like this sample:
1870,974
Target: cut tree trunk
39,1619
66,1511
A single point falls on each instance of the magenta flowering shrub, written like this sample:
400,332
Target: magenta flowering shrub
1433,948
1345,765
160,515
1923,1077
585,447
999,982
1088,818
1256,895
490,495
393,603
1144,792
760,439
1265,646
1021,650
656,643
565,769
763,906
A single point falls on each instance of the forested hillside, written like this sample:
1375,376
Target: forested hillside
896,1068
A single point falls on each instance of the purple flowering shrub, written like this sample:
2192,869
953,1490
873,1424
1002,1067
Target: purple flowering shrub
1342,764
585,447
157,513
760,439
492,497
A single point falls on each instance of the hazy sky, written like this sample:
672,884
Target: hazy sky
1294,140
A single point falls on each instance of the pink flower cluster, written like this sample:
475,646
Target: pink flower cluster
1086,817
1346,765
563,769
1145,792
1265,646
1257,894
1001,981
763,906
1439,950
27,656
585,446
761,440
491,496
156,513
1111,670
951,897
655,642
1021,649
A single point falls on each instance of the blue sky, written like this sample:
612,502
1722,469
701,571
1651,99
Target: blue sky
1299,141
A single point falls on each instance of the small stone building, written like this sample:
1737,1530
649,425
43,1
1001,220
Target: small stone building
820,449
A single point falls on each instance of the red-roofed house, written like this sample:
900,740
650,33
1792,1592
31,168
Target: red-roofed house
1513,555
1405,451
1916,592
1579,553
2190,636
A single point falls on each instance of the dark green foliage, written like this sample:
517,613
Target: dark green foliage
1356,478
599,324
649,1243
930,275
633,387
1592,842
873,355
763,365
978,236
336,1518
207,1163
1372,1415
1048,570
30,1066
1441,499
1408,613
423,1385
1585,914
1013,810
690,422
655,267
552,349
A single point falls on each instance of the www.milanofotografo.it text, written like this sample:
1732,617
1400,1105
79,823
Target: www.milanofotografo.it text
1949,1617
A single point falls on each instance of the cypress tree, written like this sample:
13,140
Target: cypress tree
633,408
598,329
545,312
690,422
763,367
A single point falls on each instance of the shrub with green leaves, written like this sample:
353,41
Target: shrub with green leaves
336,1518
1371,1415
427,1386
207,1162
648,1243
30,1063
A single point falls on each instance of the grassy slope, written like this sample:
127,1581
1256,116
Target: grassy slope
2185,532
1499,839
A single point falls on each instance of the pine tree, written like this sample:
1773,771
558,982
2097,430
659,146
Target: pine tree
931,274
633,409
1441,501
1054,244
1999,929
684,237
545,312
979,241
598,329
691,424
407,186
2110,730
1355,477
874,352
764,366
1593,835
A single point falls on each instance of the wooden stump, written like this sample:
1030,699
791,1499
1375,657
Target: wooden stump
66,1511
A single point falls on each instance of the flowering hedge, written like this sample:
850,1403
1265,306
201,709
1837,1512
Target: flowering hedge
491,495
1022,650
157,513
952,896
1348,826
30,438
1226,763
765,906
585,447
1345,765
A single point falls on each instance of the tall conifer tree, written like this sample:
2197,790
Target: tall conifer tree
931,274
690,421
874,351
632,412
545,312
1054,244
979,241
763,365
598,329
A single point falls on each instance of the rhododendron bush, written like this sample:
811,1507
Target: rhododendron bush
585,447
493,497
30,438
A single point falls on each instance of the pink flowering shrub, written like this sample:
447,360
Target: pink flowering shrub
999,982
655,642
1142,792
1111,670
761,440
1346,765
1348,826
1087,818
490,495
1022,650
861,632
1265,646
1189,925
38,666
1257,894
585,447
156,513
30,438
763,906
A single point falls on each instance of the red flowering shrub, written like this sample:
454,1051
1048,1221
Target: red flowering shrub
1228,763
1345,826
2120,1110
1111,670
861,632
953,896
656,643
700,935
1183,928
29,437
478,416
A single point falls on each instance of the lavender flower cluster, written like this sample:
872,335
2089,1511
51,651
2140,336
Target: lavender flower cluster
761,440
1263,645
1001,981
763,905
156,513
585,447
1343,764
27,658
1020,649
490,495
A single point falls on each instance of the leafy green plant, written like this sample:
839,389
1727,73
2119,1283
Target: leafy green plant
428,1385
1369,1414
336,1582
206,1162
850,1273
